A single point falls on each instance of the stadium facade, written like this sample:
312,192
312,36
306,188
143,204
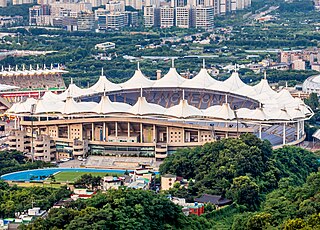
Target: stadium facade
153,118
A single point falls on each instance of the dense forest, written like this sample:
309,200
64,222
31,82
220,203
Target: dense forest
18,199
12,161
249,172
121,209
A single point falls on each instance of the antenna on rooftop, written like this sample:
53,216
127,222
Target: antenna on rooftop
37,66
235,67
51,66
44,66
104,89
2,68
102,71
9,68
16,67
183,94
226,98
204,63
141,91
265,74
138,65
23,67
172,63
71,81
286,85
30,67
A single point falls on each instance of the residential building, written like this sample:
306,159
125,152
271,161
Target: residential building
21,2
3,3
105,46
167,17
216,200
298,64
151,16
167,181
189,208
85,21
110,182
183,17
203,17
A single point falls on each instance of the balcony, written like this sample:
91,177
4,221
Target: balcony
160,156
161,148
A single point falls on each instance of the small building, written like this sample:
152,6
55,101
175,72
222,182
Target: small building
110,182
105,46
216,200
82,194
140,183
167,181
189,208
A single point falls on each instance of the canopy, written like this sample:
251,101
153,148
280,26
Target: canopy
142,107
137,81
184,110
103,84
106,106
220,111
171,80
234,82
201,81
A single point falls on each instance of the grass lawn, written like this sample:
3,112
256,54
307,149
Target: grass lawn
73,176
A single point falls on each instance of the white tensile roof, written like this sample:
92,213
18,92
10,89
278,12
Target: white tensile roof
46,106
72,91
278,114
142,107
49,96
184,110
103,84
263,87
25,107
246,90
171,80
201,81
220,112
137,81
72,107
4,87
256,114
234,82
106,106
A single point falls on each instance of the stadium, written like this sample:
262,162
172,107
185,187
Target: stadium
153,118
312,85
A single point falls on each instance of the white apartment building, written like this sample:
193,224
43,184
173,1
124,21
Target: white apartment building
149,16
3,3
136,4
166,17
203,17
20,2
115,6
57,7
183,17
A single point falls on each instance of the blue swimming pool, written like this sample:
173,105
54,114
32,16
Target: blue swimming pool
26,175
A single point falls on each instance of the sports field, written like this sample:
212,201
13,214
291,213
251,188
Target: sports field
73,176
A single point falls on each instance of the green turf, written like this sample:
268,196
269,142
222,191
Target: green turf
73,176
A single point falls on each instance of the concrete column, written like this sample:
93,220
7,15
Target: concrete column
15,123
298,130
116,128
199,136
284,134
168,135
183,138
92,131
302,127
154,134
260,130
68,131
141,133
128,129
104,132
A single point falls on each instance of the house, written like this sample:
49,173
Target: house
110,182
216,200
140,183
189,208
167,181
82,194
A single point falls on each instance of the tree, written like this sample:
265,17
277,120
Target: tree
244,191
